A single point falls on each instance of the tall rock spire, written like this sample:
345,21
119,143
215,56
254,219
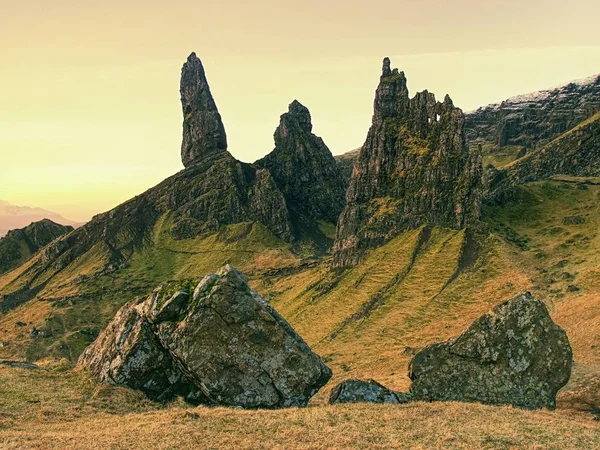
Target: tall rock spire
414,169
304,169
203,131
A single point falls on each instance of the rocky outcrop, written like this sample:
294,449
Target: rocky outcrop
575,153
533,120
203,130
305,170
19,245
414,169
514,355
370,391
220,343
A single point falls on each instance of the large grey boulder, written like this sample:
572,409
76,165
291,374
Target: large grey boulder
513,355
221,344
370,391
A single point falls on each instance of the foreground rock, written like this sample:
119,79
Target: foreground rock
370,391
514,355
222,344
414,169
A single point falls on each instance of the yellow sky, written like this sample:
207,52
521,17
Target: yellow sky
89,101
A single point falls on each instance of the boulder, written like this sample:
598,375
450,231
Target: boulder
370,391
221,344
513,355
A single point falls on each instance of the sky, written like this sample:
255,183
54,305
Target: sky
89,91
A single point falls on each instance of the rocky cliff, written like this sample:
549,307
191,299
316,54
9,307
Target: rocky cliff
414,169
19,245
305,171
532,120
346,162
203,130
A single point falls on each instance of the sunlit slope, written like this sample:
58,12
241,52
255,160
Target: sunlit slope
430,284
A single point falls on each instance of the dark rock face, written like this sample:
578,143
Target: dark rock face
222,344
533,120
414,169
346,163
575,153
304,168
514,355
19,245
203,131
358,391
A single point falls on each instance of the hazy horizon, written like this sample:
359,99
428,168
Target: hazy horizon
90,110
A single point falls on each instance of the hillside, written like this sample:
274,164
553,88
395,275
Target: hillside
510,129
19,245
418,257
574,153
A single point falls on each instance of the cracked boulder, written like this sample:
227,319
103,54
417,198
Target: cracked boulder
224,343
513,355
370,391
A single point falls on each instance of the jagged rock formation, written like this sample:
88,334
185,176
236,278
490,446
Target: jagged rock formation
346,162
514,355
203,131
220,343
19,245
305,170
213,191
575,153
532,120
413,169
370,391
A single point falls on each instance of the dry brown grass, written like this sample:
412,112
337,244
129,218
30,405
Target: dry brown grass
56,408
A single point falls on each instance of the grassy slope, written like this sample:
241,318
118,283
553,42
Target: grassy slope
366,322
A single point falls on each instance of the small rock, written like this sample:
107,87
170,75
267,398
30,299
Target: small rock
370,391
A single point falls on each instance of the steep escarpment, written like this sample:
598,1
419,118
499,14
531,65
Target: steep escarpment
414,169
19,245
519,124
305,171
575,153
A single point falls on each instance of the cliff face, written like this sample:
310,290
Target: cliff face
304,169
532,120
575,153
203,130
19,245
414,169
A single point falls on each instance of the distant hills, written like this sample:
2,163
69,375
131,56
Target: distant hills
13,217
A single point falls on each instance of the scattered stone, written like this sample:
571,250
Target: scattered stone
223,343
409,351
4,344
573,288
19,364
514,355
573,220
370,391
